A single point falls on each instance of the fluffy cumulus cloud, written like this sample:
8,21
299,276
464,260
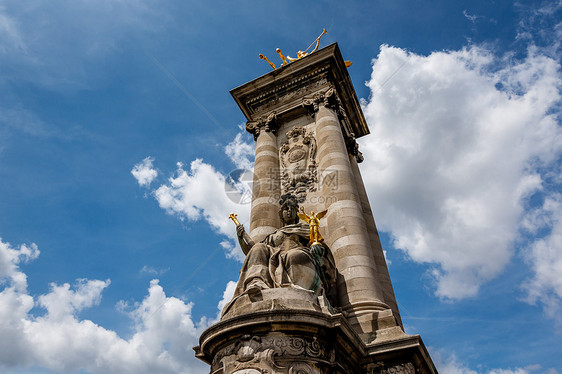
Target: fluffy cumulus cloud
545,257
227,295
448,363
201,192
144,172
58,340
10,258
240,152
460,140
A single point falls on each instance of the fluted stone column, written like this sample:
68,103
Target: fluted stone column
264,217
358,288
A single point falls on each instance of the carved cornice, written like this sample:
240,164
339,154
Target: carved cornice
289,84
267,123
283,90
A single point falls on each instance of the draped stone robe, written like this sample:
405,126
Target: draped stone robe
283,260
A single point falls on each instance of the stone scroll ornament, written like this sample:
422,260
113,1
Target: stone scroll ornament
268,354
299,168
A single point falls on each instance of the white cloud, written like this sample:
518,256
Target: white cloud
200,193
62,302
10,258
471,17
153,271
227,295
144,172
241,153
10,34
448,363
60,341
457,141
545,258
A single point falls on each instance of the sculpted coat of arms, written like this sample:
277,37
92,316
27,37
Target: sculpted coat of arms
299,169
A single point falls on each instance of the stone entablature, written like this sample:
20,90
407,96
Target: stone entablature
283,90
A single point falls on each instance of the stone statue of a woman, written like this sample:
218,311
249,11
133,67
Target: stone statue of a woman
283,258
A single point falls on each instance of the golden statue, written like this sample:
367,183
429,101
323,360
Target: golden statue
313,221
300,54
266,59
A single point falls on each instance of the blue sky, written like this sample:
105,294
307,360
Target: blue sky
117,130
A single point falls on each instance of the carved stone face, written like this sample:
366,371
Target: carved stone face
288,213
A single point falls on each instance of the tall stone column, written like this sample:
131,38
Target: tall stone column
264,216
383,276
358,288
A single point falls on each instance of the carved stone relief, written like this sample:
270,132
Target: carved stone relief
272,355
298,163
379,368
267,123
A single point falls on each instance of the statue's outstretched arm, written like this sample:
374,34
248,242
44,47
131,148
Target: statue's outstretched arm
245,241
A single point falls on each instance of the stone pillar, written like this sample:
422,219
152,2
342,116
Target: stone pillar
358,288
264,217
376,247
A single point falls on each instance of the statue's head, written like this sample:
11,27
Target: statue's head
289,207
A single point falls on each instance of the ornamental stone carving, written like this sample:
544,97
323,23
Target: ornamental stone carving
267,123
274,354
353,148
328,97
404,368
298,163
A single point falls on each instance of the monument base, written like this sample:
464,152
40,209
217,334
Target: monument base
313,340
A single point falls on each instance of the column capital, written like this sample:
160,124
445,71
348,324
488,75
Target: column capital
328,97
266,123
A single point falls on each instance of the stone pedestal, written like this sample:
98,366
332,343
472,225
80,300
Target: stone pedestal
276,338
